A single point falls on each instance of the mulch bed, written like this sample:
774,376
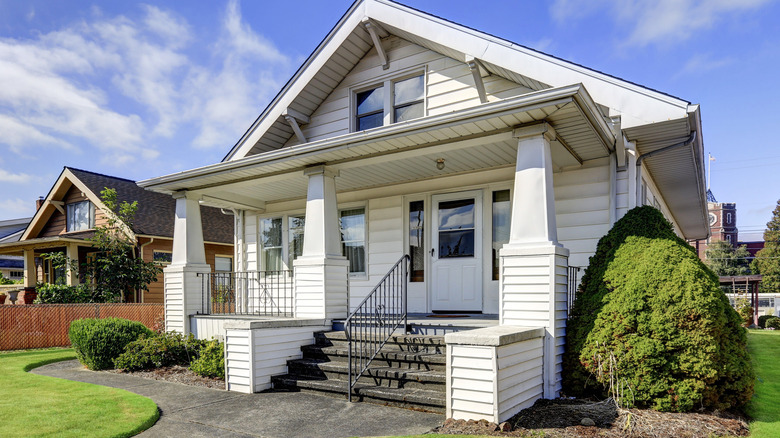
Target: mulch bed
178,374
563,418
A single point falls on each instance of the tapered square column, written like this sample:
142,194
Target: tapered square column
72,252
321,271
533,277
183,287
30,271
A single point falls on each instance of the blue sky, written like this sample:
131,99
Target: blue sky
139,90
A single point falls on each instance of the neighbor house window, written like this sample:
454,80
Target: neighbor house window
406,101
15,275
223,264
502,203
162,257
80,216
417,241
353,238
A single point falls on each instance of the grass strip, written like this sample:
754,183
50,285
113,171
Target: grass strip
43,406
764,348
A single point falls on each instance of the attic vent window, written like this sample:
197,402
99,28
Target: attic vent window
80,216
392,102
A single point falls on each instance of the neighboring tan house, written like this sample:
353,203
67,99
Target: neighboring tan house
66,217
12,267
496,168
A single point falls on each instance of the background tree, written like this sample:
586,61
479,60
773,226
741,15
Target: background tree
767,261
724,259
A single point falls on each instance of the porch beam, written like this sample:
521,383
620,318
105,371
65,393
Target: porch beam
477,70
374,30
229,200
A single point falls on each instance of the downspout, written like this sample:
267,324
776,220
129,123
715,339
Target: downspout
641,158
239,231
141,254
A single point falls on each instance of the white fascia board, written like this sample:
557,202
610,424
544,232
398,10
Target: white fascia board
653,106
550,96
302,77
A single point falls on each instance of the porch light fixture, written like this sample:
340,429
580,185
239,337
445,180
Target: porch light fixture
440,163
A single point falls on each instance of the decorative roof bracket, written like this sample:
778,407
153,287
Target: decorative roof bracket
376,31
478,71
294,118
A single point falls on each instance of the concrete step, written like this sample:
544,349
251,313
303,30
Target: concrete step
387,357
387,377
400,342
431,401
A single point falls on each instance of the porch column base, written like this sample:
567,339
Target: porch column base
183,294
321,287
532,287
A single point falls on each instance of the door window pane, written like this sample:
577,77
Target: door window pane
458,243
501,217
417,241
271,242
353,238
295,247
456,228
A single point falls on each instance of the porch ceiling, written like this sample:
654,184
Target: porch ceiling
469,140
678,173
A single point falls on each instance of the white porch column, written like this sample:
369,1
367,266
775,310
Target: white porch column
72,252
30,273
534,265
182,284
321,271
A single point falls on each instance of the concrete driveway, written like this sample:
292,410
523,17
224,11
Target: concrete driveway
190,412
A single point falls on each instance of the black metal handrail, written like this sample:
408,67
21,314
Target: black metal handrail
375,319
571,289
262,293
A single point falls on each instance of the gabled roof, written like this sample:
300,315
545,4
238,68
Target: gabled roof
155,215
348,42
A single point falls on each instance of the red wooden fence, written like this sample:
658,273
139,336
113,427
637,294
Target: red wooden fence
46,325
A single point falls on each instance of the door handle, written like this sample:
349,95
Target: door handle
432,251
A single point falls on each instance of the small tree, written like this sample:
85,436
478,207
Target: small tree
724,259
114,270
767,261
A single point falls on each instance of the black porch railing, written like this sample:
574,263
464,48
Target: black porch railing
377,317
261,293
571,289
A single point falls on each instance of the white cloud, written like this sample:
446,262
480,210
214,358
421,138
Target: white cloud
702,63
8,177
655,21
17,134
16,207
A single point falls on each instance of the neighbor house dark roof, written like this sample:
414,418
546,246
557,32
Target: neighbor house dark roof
156,211
9,262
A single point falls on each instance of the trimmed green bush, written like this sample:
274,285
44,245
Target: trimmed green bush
745,311
651,325
762,320
211,362
99,341
159,350
773,322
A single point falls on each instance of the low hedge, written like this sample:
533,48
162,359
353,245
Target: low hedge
211,362
159,350
98,342
763,318
773,323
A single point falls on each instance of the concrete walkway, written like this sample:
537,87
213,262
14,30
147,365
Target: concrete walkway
190,412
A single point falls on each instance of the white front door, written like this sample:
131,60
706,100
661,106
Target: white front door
456,254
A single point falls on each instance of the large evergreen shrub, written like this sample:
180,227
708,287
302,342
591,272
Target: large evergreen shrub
651,320
99,341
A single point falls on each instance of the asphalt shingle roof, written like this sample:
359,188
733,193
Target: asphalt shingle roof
156,211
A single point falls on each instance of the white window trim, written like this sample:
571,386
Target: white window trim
164,252
225,256
352,206
387,82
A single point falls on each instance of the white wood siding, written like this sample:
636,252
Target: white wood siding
272,348
519,376
471,372
450,86
621,193
238,361
174,301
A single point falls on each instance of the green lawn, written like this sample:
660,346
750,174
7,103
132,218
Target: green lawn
42,406
764,347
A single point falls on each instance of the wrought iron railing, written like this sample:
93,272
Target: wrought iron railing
262,293
571,289
377,317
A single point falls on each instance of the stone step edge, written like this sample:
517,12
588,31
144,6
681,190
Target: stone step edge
395,339
382,372
433,358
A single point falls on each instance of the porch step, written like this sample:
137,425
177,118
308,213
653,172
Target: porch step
420,399
408,372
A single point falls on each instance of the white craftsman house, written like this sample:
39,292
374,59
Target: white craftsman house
492,166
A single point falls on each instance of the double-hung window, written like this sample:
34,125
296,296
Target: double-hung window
80,216
279,246
353,238
392,101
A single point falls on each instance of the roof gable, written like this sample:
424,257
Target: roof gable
349,42
155,215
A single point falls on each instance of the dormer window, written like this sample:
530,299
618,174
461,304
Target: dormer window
375,108
80,216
